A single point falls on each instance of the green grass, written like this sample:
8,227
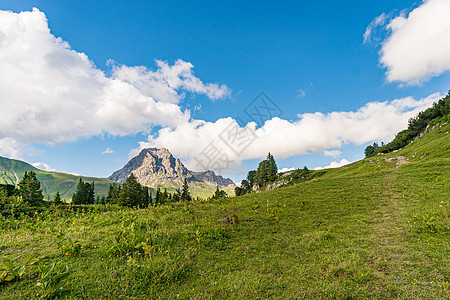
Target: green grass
366,230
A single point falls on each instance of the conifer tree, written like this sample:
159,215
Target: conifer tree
219,194
147,197
91,193
176,196
113,193
157,197
272,168
84,194
266,172
133,193
185,194
57,199
164,197
30,189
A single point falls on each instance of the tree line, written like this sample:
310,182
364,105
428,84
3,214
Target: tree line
265,173
131,193
416,125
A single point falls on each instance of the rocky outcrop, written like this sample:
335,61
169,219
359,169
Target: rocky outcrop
154,165
211,177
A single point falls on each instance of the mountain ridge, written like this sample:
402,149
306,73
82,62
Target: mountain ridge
153,166
12,170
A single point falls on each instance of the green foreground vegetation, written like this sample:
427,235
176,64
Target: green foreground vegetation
377,228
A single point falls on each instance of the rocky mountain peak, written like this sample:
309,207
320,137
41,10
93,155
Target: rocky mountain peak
153,165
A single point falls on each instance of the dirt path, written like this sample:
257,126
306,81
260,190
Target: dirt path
390,252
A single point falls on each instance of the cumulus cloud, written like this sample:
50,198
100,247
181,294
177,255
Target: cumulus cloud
310,133
108,151
334,164
377,22
10,147
417,46
285,170
332,153
163,83
52,94
44,167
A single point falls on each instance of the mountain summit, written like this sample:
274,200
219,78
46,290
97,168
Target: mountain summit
155,167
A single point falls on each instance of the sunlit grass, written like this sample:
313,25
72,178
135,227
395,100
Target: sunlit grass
367,230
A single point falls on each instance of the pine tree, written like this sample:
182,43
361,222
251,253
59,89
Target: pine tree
80,193
57,199
84,194
176,196
30,189
113,193
164,197
157,197
91,193
146,197
219,194
272,168
132,193
266,172
251,178
185,194
261,177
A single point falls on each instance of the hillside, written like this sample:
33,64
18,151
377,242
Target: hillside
378,228
11,171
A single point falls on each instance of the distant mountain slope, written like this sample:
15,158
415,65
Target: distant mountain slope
12,170
155,167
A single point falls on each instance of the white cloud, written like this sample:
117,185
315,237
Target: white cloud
52,94
108,151
377,22
163,83
301,93
10,147
44,167
312,132
335,164
332,153
418,44
285,170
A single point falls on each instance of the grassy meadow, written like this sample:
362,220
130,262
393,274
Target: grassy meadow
372,229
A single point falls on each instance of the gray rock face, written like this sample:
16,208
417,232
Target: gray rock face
212,178
153,164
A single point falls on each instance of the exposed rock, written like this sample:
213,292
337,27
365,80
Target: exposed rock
154,165
211,177
277,184
398,160
286,174
225,220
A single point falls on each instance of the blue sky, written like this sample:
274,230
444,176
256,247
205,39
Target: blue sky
306,56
